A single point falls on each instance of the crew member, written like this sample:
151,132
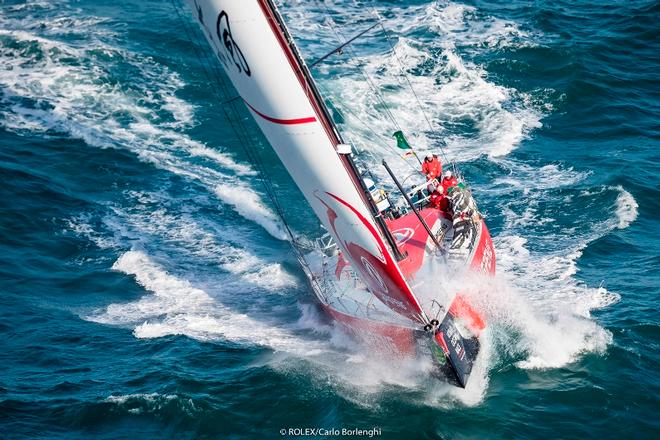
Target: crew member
437,199
449,181
432,167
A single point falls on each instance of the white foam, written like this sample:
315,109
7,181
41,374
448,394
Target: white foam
557,326
626,208
184,233
223,159
140,403
248,204
175,307
147,397
467,95
272,277
182,112
538,296
80,104
523,176
45,5
81,226
463,25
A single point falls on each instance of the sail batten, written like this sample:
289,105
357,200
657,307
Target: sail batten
258,55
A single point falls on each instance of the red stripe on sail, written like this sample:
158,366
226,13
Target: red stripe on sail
282,121
297,70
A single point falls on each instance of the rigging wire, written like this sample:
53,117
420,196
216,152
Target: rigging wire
376,91
405,74
370,82
366,125
221,91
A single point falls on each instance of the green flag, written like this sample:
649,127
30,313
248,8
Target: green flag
401,141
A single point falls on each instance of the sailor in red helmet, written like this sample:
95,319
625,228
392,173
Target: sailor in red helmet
431,167
448,181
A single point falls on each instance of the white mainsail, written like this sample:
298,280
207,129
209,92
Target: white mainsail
258,56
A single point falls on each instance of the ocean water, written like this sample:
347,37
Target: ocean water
146,284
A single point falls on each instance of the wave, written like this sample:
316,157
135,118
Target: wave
146,403
626,208
176,307
178,232
555,320
468,97
537,296
249,205
468,27
546,276
55,88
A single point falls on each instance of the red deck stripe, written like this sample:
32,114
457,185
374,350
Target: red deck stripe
282,121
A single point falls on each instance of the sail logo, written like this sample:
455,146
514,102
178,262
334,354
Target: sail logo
371,270
388,300
372,276
403,235
234,52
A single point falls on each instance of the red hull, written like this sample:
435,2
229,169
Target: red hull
383,337
400,340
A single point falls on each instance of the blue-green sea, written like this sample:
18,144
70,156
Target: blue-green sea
147,289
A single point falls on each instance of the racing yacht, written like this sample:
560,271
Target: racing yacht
367,270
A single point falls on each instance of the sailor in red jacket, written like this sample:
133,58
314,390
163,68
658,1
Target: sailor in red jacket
432,167
448,181
437,199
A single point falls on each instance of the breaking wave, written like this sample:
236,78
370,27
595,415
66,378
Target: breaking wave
249,205
176,307
626,208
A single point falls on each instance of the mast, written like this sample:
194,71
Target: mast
348,161
258,55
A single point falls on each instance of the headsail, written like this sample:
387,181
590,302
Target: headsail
256,51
